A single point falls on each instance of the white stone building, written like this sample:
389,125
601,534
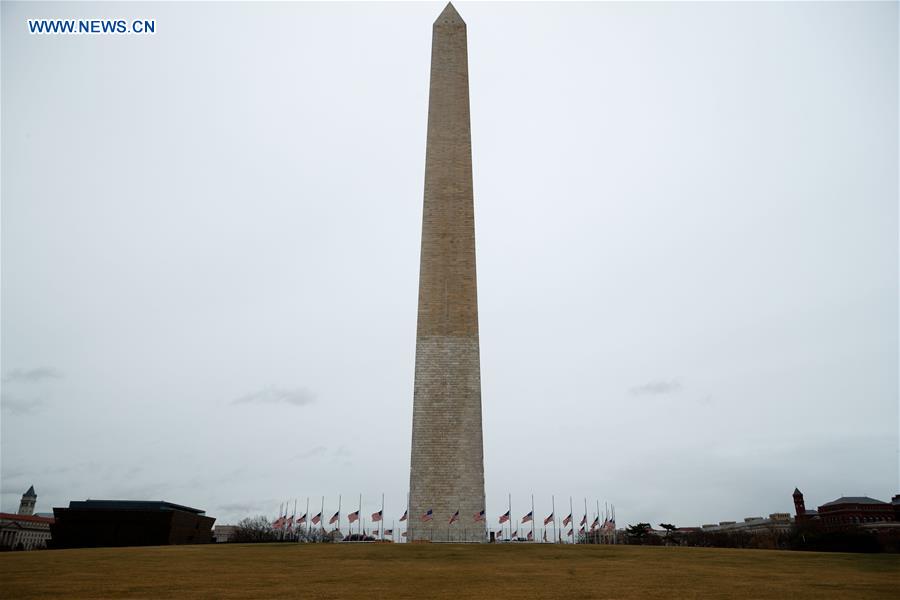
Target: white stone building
25,530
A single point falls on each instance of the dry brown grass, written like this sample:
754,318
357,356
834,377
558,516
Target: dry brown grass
443,571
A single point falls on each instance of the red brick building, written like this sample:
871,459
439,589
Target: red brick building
849,512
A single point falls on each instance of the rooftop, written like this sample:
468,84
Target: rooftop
26,518
853,500
131,505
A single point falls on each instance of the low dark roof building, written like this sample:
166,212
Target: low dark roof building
98,523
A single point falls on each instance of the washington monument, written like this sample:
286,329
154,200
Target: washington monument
447,466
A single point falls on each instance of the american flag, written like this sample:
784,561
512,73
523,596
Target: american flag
514,535
353,517
279,523
581,530
454,518
429,515
583,520
479,516
334,518
528,517
316,519
567,520
301,520
504,517
545,535
290,523
374,532
388,532
376,516
403,534
595,523
405,515
548,519
530,536
571,533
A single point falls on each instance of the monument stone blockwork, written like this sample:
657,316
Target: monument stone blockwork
447,466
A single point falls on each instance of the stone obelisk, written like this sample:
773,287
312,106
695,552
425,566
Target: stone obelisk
447,467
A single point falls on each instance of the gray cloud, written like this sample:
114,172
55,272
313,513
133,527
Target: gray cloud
19,406
311,452
657,388
31,375
274,395
241,507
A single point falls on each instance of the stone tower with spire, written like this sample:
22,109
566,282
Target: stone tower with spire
26,504
447,462
799,505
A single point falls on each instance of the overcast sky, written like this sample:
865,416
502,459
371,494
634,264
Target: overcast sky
687,237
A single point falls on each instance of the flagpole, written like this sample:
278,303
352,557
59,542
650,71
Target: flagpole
572,515
553,501
585,520
615,533
339,514
532,519
307,518
359,516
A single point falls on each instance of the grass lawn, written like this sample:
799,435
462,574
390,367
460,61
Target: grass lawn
443,571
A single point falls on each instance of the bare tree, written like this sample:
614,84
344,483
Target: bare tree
254,529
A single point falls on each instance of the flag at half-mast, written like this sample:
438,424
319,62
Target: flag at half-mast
571,533
429,515
388,532
301,519
567,520
353,517
583,520
376,516
316,519
528,517
290,522
334,518
405,515
454,518
278,523
548,519
479,516
504,517
596,523
530,536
